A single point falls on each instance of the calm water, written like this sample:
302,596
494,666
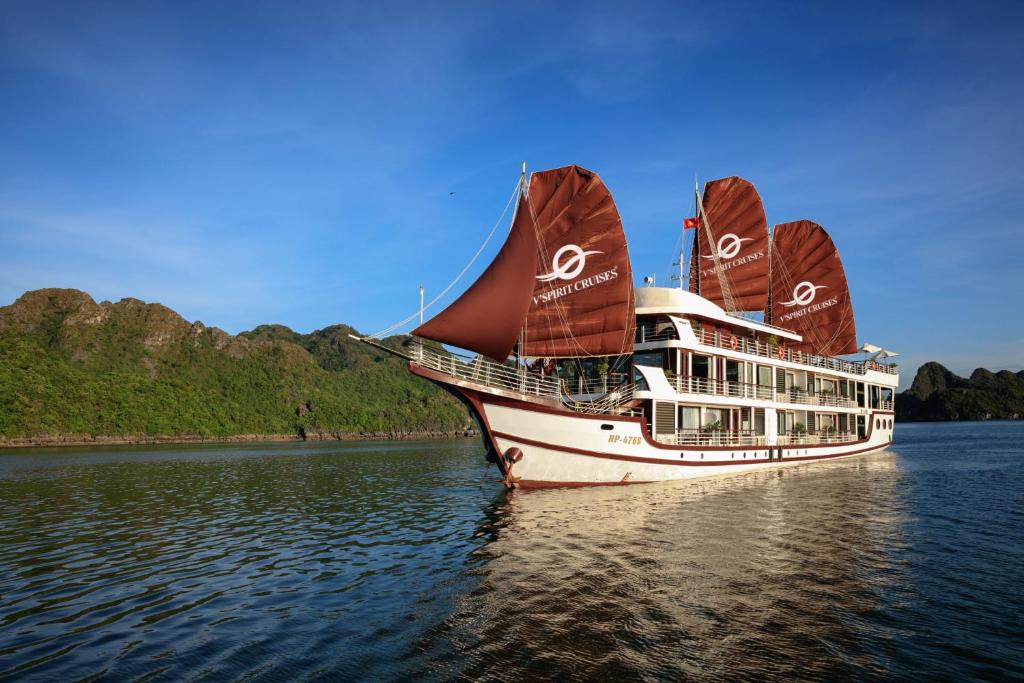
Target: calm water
399,560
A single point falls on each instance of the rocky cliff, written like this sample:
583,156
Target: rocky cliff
72,369
938,394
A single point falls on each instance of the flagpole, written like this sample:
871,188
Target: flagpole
696,234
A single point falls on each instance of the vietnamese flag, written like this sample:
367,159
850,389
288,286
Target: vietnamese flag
690,223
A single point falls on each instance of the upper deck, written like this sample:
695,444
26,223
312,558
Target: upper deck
669,318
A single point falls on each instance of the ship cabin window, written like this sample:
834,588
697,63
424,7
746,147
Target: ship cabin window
874,396
759,421
790,380
732,370
827,387
886,394
713,415
860,394
701,366
826,423
689,417
844,388
786,421
764,376
655,329
652,359
640,381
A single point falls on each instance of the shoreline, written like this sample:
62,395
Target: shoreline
184,439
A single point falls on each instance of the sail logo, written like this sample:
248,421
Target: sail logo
729,246
571,268
803,294
728,249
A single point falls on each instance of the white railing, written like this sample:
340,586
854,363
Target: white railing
700,437
588,385
646,334
720,387
815,438
486,372
610,403
722,437
758,348
885,405
820,399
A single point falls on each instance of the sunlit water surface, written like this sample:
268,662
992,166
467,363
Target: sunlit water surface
408,560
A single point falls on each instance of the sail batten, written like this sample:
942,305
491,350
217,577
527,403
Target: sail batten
582,303
810,294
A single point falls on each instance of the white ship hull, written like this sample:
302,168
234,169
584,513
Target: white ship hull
556,447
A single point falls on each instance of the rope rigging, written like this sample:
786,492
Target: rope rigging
401,323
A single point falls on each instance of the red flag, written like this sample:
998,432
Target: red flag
690,223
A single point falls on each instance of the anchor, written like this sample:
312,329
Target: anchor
511,457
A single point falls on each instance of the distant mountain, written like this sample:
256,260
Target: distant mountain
938,394
73,369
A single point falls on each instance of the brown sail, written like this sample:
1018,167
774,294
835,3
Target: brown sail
735,218
488,317
809,291
582,303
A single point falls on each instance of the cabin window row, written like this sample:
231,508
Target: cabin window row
703,366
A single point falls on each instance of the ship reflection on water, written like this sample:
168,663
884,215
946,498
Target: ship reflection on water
782,572
408,561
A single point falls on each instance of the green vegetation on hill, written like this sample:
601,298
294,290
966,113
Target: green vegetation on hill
938,394
70,366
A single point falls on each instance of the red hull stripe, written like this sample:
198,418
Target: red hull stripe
665,461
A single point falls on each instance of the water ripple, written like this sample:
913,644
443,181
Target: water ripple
394,561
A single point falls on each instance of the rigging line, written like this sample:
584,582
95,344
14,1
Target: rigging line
812,334
556,303
678,251
727,299
544,259
402,323
567,329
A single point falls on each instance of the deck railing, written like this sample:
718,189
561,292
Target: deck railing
721,387
724,437
820,437
645,333
600,385
819,399
701,437
613,402
780,352
486,372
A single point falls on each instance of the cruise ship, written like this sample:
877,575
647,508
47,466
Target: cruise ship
579,378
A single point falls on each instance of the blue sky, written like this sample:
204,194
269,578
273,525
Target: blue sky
293,162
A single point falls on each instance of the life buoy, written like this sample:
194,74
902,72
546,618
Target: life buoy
782,353
874,365
734,343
